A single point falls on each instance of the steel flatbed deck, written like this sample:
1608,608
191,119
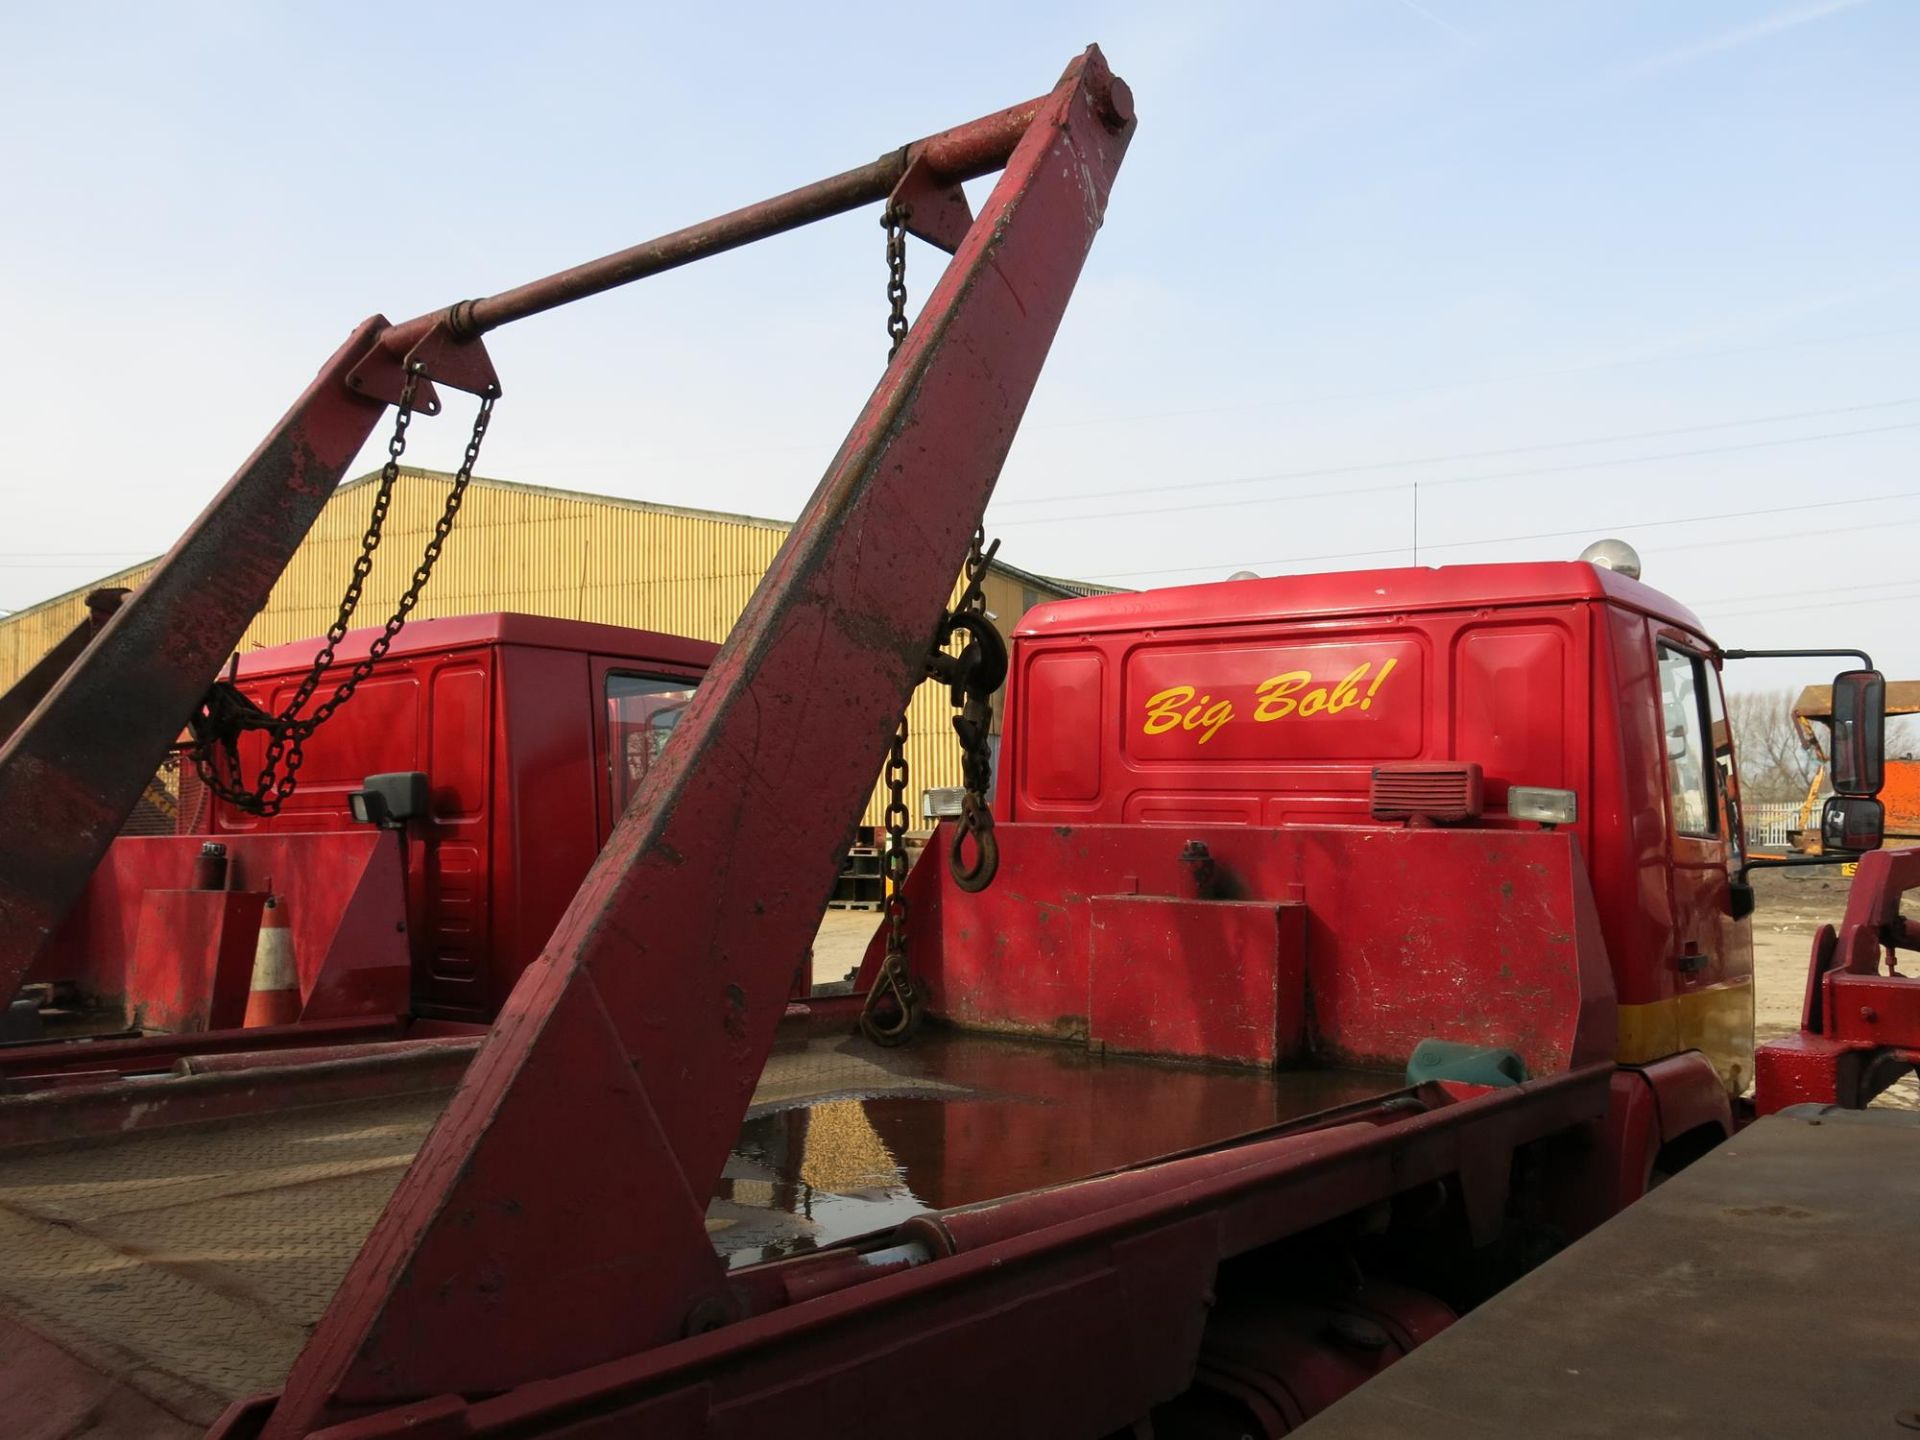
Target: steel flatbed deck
1736,1300
188,1264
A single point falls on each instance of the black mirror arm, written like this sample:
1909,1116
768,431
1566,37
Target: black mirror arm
1866,660
1781,862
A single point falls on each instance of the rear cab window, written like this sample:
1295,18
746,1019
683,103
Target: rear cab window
642,713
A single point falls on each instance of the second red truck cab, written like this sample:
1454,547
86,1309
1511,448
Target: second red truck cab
1275,702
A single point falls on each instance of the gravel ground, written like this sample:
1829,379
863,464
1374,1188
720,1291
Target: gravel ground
841,942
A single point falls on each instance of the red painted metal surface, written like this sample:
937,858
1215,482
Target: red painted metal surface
24,1066
545,1267
505,716
1652,1106
224,1062
1411,935
1125,1272
1270,702
650,1016
106,1104
1341,594
1860,1021
520,788
1267,1365
963,153
1197,979
192,957
341,892
1689,1095
20,698
72,773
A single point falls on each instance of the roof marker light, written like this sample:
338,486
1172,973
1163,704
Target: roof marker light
1615,555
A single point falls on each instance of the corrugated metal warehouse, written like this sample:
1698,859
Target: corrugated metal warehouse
544,552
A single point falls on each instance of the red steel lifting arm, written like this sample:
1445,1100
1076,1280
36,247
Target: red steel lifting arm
34,686
72,772
70,777
555,1216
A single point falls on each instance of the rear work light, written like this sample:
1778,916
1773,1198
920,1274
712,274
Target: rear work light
1440,791
1549,807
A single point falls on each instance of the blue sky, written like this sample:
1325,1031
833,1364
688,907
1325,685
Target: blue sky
1645,269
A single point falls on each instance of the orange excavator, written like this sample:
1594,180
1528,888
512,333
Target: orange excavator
1901,794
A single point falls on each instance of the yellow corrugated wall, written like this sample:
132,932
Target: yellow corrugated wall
541,552
28,634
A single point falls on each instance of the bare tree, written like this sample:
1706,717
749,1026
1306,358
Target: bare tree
1774,765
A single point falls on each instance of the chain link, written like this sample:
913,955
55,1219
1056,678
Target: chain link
894,218
225,712
893,1009
973,676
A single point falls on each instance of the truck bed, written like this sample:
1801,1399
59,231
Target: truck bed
1763,1291
188,1264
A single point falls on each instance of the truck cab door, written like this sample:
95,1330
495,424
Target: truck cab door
1711,955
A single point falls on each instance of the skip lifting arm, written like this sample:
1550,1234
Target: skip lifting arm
71,776
554,1217
519,1246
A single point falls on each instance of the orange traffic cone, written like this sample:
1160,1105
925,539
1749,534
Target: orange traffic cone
275,995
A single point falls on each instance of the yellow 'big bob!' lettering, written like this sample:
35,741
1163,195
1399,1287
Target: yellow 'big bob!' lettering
1176,709
1291,693
1282,695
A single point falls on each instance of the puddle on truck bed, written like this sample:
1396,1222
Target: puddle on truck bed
198,1258
846,1138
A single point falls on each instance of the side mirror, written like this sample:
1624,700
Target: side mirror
1741,899
1850,824
389,801
1859,723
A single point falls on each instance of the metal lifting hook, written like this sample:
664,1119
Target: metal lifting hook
976,820
912,1010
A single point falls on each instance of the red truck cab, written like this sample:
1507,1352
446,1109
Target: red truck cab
533,734
1273,702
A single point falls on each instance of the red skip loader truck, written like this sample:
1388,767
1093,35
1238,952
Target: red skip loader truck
1343,1023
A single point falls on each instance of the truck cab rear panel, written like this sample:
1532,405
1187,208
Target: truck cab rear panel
1268,703
533,734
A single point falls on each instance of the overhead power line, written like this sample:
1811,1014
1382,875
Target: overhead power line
1822,590
1377,465
999,524
1591,530
1791,609
1512,378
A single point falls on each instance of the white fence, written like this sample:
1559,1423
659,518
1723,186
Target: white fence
1768,822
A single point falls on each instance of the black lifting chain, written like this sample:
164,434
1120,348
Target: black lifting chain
225,713
971,678
894,218
894,1009
894,1006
